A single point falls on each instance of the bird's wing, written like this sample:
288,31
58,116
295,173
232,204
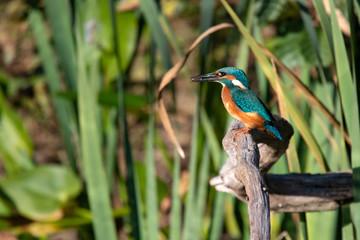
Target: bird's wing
247,101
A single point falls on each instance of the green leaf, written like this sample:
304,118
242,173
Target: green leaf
41,192
127,22
15,144
295,47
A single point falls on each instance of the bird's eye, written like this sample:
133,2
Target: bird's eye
221,74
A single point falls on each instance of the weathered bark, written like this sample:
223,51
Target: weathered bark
309,192
242,176
244,160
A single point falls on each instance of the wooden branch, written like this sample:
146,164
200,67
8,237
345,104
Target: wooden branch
244,156
309,192
289,192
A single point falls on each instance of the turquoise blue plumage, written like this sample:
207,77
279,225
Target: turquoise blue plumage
247,101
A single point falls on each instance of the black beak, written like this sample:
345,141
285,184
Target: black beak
209,77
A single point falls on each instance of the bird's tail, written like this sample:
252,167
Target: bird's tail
273,131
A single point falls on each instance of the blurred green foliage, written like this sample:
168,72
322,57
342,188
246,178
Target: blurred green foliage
89,70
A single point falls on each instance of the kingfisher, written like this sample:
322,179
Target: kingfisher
240,101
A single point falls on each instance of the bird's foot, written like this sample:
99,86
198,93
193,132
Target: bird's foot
243,130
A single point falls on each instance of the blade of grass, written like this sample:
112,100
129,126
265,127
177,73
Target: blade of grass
243,51
64,109
350,109
355,58
189,221
320,229
244,214
94,172
151,14
230,219
201,197
325,129
263,83
325,23
160,145
206,19
111,144
303,227
307,19
58,13
131,182
234,33
304,12
291,154
175,213
151,187
343,154
347,231
209,132
217,217
170,35
357,9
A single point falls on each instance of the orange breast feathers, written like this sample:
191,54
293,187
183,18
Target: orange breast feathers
250,119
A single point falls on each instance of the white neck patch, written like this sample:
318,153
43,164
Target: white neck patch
238,83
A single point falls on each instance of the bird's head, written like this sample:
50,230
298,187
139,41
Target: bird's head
227,76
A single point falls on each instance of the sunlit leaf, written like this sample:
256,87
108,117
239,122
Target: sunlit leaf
15,144
40,193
